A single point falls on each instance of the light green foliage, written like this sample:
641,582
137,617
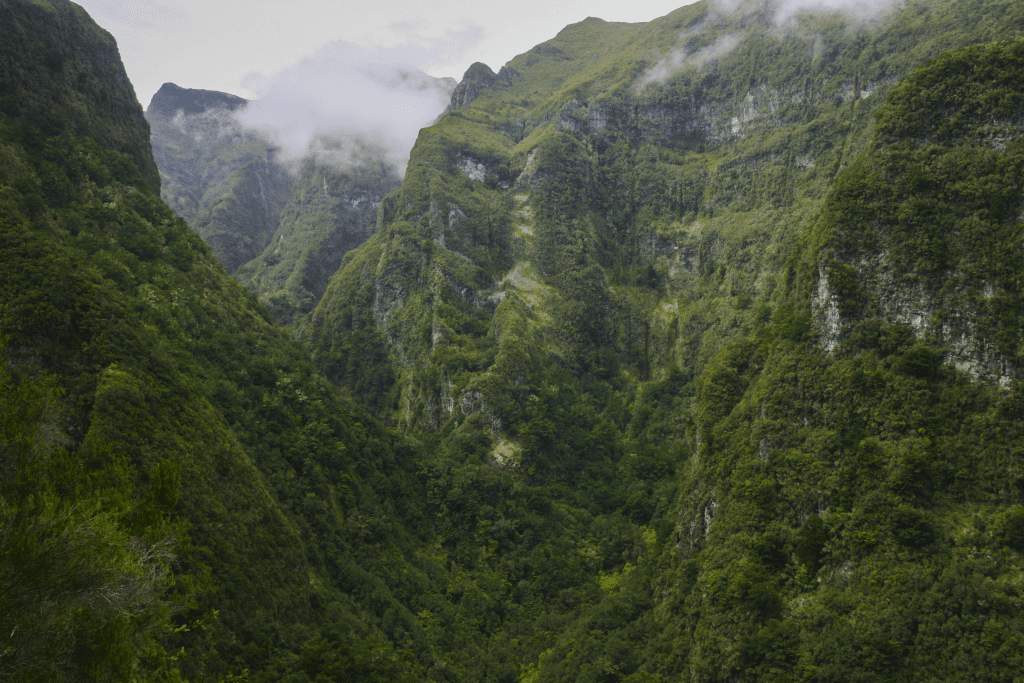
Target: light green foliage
85,569
654,291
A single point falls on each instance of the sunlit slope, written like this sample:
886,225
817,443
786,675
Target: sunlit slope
618,200
852,508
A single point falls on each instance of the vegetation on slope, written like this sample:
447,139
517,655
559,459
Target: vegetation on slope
644,227
849,512
631,451
175,473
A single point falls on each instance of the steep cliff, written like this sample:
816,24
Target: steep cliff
747,289
700,338
225,181
331,209
158,433
280,225
631,197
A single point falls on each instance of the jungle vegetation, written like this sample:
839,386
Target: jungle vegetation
713,376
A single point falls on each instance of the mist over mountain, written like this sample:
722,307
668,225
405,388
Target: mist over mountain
282,187
686,350
346,93
784,11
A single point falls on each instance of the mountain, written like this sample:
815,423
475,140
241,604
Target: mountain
169,455
281,225
723,277
223,180
685,350
331,209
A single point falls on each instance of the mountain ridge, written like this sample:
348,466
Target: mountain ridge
171,98
621,387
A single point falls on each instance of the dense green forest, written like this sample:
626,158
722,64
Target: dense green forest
711,373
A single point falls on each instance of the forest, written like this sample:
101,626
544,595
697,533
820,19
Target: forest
710,373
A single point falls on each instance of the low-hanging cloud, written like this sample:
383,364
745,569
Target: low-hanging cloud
783,13
346,99
786,10
679,59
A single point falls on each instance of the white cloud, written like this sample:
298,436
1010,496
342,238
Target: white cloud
786,10
213,44
784,14
680,59
350,95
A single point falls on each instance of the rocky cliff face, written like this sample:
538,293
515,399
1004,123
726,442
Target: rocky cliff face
714,235
678,184
225,181
330,211
921,231
280,225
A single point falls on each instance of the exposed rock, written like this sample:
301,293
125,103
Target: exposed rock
478,77
170,99
473,169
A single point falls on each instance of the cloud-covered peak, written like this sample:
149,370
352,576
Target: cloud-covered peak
345,92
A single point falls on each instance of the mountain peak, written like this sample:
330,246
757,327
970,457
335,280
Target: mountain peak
171,98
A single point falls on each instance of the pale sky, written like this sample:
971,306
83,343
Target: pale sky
234,46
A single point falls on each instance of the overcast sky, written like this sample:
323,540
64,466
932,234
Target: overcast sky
234,45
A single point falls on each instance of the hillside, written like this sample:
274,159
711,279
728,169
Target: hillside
685,350
175,473
610,256
278,222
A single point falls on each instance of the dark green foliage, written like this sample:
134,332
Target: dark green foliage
86,588
641,438
61,75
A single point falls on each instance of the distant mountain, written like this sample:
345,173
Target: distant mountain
224,181
171,99
280,225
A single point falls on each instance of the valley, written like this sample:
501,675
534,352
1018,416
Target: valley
678,351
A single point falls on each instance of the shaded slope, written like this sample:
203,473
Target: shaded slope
280,222
188,421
